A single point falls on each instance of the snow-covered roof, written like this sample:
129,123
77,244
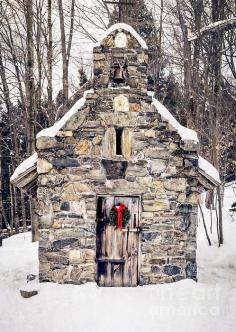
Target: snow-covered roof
126,27
24,166
52,131
49,132
209,170
205,167
185,133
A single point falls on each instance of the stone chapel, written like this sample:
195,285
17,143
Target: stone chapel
117,180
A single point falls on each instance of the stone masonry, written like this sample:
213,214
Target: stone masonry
80,163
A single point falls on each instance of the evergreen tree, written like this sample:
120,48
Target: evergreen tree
160,80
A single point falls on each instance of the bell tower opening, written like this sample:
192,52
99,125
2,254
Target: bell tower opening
119,74
120,59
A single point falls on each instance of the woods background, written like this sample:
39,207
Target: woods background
45,61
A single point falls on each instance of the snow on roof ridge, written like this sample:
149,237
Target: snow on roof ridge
127,28
26,164
209,169
185,133
52,131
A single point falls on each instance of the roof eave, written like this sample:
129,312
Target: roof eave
26,179
211,181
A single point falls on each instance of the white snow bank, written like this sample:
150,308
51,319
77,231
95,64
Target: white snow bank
18,258
218,265
26,164
185,133
209,169
30,287
127,28
52,131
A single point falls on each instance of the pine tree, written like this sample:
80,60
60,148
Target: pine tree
160,80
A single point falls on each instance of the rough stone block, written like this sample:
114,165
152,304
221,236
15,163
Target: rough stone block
82,148
157,153
135,107
60,244
191,270
27,293
159,205
43,166
61,163
171,270
175,184
46,220
44,143
66,133
157,167
121,40
155,269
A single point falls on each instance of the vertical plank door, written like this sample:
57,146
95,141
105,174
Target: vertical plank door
117,250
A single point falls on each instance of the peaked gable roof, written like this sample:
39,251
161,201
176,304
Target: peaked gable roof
185,133
126,27
52,131
206,169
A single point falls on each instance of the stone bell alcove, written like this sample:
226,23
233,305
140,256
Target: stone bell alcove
119,73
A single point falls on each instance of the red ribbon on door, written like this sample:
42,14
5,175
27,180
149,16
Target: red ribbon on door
120,209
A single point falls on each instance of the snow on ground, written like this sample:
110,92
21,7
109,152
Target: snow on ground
186,306
222,261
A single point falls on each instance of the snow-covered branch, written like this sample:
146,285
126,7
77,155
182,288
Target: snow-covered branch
220,25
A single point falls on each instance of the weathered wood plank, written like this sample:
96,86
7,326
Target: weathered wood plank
117,250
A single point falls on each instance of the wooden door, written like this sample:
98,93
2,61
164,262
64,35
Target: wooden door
117,249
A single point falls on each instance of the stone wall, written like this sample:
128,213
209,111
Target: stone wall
72,172
80,163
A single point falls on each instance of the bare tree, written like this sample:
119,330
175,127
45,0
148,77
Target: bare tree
30,83
50,59
66,45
